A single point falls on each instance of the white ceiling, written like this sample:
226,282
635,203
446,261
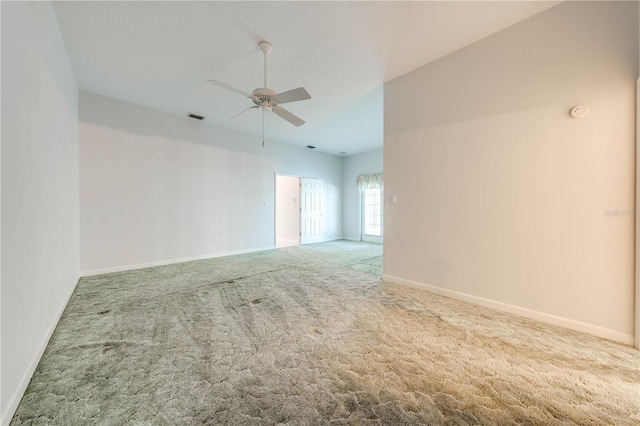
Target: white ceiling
160,54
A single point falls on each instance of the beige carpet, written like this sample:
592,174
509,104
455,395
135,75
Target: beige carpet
311,335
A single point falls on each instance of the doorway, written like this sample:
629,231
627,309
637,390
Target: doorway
287,211
298,211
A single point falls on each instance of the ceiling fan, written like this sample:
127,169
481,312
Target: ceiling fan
267,99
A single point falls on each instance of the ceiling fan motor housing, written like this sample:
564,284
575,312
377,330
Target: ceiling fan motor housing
262,95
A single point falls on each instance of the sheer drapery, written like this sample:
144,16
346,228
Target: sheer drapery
370,181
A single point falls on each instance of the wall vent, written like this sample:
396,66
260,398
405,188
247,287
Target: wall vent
196,116
311,147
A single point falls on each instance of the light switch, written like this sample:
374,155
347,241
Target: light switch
393,199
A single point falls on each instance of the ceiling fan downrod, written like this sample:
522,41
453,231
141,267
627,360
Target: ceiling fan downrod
266,48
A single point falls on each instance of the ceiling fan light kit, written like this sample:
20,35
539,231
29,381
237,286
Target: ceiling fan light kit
267,99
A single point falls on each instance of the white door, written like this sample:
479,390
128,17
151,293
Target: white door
310,210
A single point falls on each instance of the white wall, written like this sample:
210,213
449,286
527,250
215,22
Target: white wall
355,165
156,187
501,195
39,189
287,211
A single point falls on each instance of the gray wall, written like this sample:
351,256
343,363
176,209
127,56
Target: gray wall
157,188
501,195
39,189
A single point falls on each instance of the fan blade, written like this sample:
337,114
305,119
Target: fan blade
242,112
293,119
233,89
299,94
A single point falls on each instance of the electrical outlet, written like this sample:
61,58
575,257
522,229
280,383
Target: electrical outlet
216,238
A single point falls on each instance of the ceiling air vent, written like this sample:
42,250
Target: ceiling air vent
196,116
311,147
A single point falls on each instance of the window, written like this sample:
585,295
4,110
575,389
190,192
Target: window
370,186
372,212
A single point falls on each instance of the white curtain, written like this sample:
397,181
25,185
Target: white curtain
370,181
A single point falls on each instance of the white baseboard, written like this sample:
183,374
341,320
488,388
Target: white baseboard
123,268
360,240
323,240
605,333
15,399
167,262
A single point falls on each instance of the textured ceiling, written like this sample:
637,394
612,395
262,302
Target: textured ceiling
160,54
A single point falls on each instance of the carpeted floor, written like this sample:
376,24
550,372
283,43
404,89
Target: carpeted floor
311,335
